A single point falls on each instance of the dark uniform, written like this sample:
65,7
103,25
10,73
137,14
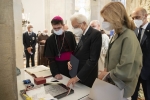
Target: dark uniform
29,40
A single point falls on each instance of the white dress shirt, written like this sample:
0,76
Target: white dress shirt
86,30
29,33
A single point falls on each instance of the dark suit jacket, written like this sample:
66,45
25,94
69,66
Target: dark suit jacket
29,41
145,46
88,52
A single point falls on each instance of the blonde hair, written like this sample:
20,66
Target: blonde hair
115,13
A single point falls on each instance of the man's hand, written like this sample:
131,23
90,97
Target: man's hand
102,74
72,81
58,76
43,41
29,49
69,66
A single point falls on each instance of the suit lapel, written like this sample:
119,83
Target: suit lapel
78,46
85,37
144,37
28,35
147,31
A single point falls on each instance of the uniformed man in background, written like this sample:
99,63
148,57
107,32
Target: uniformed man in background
29,42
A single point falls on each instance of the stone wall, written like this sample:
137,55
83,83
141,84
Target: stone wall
132,4
8,88
36,8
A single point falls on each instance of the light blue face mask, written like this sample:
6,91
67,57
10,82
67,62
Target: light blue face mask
59,32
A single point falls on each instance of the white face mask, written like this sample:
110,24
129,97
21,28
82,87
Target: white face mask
78,31
138,23
107,26
59,32
31,29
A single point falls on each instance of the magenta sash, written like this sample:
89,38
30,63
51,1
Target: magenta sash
64,56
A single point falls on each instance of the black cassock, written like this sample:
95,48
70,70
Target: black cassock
51,51
88,52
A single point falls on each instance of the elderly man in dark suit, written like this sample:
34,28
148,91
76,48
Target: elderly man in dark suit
139,16
87,51
29,42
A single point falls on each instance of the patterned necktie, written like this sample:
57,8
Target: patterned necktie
139,35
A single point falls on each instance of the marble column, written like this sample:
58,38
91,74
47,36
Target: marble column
96,7
17,8
65,9
47,16
8,88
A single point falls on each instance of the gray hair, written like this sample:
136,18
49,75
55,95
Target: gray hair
29,25
79,17
95,21
45,31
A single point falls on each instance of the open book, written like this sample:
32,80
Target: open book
39,71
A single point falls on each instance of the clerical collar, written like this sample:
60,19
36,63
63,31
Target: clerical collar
86,30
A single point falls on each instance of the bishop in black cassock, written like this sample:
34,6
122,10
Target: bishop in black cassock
58,48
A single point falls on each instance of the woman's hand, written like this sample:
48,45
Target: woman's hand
102,74
69,66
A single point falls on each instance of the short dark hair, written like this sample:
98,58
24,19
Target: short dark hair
56,22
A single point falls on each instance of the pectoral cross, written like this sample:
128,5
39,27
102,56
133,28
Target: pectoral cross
59,55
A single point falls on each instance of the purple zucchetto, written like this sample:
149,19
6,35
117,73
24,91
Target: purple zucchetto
57,18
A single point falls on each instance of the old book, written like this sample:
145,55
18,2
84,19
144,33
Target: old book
39,71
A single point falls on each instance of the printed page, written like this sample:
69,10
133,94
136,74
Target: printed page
44,73
38,94
54,90
33,70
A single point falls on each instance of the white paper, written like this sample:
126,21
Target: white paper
105,91
39,93
40,68
44,73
